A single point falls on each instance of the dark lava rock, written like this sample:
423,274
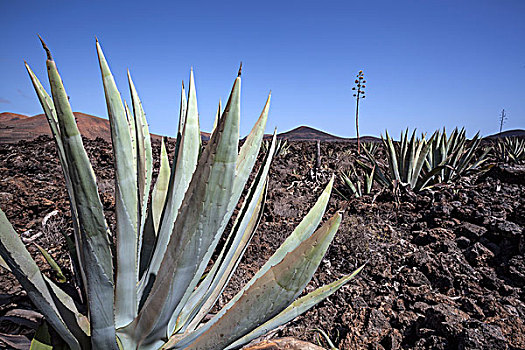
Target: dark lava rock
517,270
445,320
417,278
441,210
463,242
432,342
471,231
482,336
514,174
509,229
478,254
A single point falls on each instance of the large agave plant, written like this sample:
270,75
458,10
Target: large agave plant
158,289
421,163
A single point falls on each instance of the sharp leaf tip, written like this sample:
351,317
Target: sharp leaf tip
240,70
48,53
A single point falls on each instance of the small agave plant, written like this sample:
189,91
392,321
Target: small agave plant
452,157
405,161
510,150
157,292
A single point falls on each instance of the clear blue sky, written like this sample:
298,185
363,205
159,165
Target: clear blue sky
428,64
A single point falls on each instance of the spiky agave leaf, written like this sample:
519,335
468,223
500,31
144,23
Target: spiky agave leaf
95,247
301,233
181,174
269,294
49,110
126,201
203,298
20,263
160,189
296,308
58,271
194,230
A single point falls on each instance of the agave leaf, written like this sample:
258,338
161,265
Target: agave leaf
418,156
380,176
217,116
350,184
421,156
181,175
154,215
359,191
250,148
146,248
49,110
409,170
42,339
370,180
295,309
467,157
389,145
482,159
125,199
301,233
243,228
426,178
230,130
133,133
20,263
269,294
304,230
160,190
183,108
95,247
58,271
192,241
244,165
3,263
144,157
245,162
78,323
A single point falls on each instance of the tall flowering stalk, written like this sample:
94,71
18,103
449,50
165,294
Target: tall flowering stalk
359,90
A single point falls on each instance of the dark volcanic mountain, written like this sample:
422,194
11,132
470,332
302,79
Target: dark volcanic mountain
508,133
306,133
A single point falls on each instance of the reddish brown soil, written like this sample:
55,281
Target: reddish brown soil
445,268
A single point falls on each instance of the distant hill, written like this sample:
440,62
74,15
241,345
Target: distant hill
8,116
306,133
16,127
508,133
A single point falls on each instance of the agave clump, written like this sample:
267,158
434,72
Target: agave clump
421,163
351,180
510,150
282,147
160,286
454,156
405,160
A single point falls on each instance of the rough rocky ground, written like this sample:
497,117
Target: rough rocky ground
445,268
